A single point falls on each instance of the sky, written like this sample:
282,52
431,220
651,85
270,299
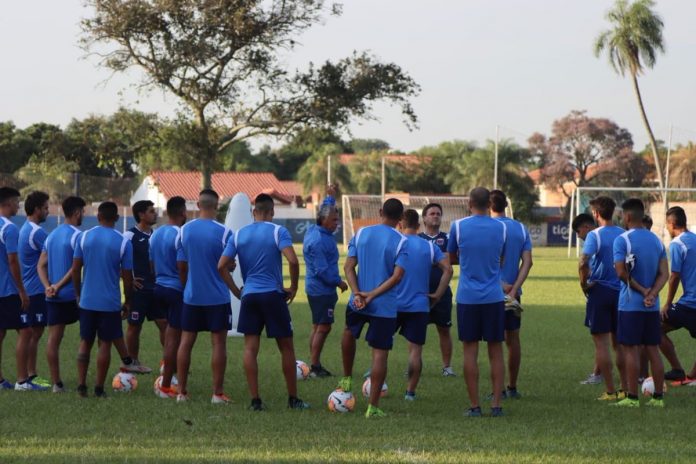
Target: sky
517,64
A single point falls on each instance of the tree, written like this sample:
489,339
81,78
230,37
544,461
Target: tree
222,60
367,145
293,155
683,170
313,173
631,45
581,148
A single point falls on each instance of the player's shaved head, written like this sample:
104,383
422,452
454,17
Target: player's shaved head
411,219
480,198
393,209
635,208
264,203
176,207
107,212
208,199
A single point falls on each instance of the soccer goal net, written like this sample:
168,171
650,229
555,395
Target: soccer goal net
363,210
655,206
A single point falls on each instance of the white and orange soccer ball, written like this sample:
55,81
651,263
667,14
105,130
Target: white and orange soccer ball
340,401
124,382
366,389
158,383
648,387
302,370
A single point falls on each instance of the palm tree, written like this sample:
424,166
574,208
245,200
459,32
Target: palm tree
631,45
313,173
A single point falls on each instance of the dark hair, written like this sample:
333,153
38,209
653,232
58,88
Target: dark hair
480,197
210,192
7,193
604,206
647,221
139,207
678,215
581,220
432,205
264,203
72,204
498,201
108,211
412,218
176,206
635,207
35,200
393,209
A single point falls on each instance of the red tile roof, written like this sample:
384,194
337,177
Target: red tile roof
291,187
347,158
226,184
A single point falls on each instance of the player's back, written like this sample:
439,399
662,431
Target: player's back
644,251
685,246
163,255
31,239
412,290
9,235
60,247
202,241
258,248
517,241
600,245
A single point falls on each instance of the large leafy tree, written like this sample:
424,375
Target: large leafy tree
631,45
222,59
313,174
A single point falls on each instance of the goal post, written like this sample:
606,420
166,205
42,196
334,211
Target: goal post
655,207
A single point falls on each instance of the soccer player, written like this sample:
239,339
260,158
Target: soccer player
14,301
441,312
413,296
682,252
206,298
55,272
517,262
641,264
380,253
601,286
477,244
143,304
321,280
105,254
168,293
31,241
260,247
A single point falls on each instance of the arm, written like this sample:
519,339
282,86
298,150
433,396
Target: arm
672,286
584,272
294,264
42,271
127,277
385,286
182,267
225,268
660,281
352,279
621,271
76,272
522,273
446,269
454,258
13,260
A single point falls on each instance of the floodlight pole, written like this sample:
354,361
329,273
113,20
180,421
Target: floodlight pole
570,220
328,170
665,203
384,181
495,161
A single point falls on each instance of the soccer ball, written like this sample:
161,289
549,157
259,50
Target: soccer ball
341,401
648,387
302,370
158,383
124,382
366,389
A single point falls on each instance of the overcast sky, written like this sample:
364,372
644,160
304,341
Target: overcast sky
519,64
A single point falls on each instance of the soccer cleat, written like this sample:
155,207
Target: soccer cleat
620,395
29,386
40,381
606,396
100,394
166,392
656,403
257,405
58,389
592,379
503,396
346,384
473,412
627,403
319,371
410,396
684,381
220,399
82,391
497,412
135,368
296,403
374,411
512,393
6,385
675,374
448,372
182,397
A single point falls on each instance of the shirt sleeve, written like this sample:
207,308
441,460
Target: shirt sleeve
284,238
11,239
127,258
352,249
180,253
230,250
527,241
590,246
402,255
78,247
676,256
663,254
40,238
438,255
452,245
151,248
619,249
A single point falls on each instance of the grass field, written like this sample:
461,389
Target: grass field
557,420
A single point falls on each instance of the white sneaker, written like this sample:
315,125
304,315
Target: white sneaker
28,386
448,372
57,389
220,399
592,379
135,368
182,398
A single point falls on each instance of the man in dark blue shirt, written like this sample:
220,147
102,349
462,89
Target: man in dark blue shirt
143,304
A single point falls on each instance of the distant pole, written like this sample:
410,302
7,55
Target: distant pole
328,171
384,181
665,203
495,163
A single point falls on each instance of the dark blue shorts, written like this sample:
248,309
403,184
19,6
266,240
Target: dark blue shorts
103,324
413,326
322,307
602,309
213,318
169,301
268,309
37,310
62,312
639,328
380,333
680,316
512,322
143,307
481,322
11,314
441,313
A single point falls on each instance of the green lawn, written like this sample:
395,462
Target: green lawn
557,419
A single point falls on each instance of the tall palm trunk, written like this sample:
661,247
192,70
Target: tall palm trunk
651,136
